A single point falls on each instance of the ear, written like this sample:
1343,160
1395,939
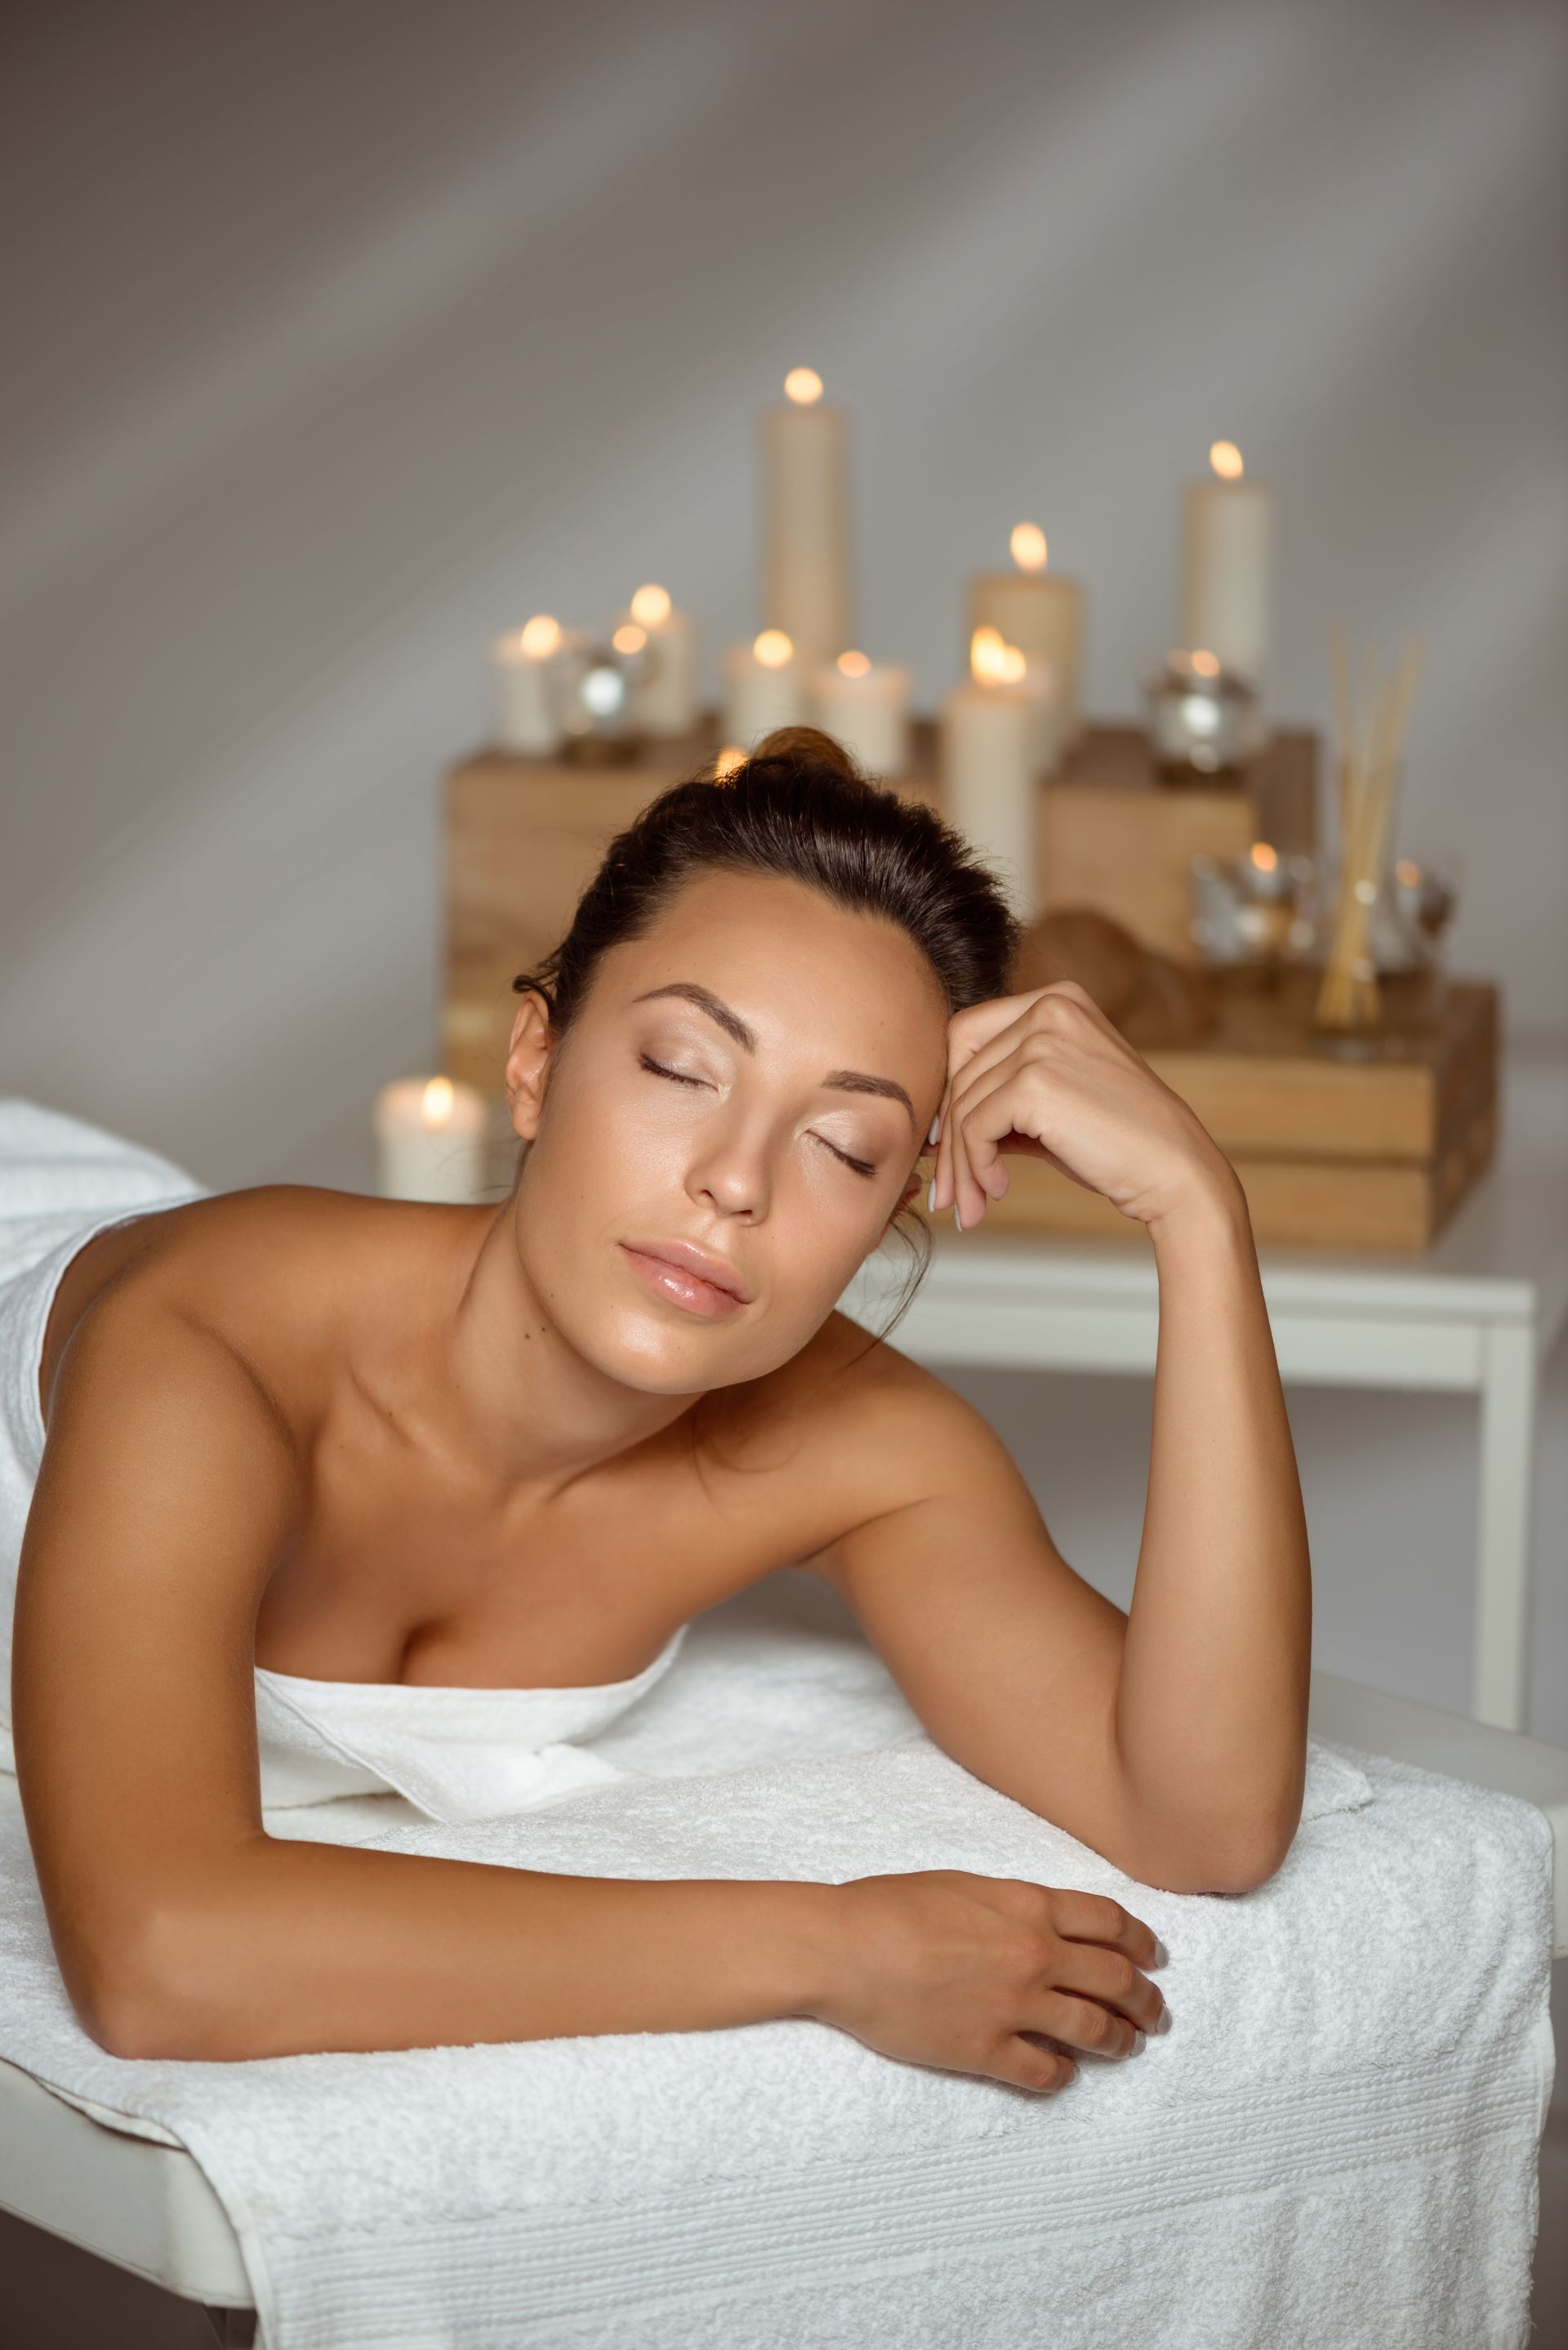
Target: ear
528,1060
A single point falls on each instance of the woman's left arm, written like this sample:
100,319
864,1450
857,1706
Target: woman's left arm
1210,1709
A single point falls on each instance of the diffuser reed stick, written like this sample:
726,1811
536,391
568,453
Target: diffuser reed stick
1367,782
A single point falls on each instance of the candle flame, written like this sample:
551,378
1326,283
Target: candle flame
731,757
1407,873
992,660
436,1102
1226,460
540,637
854,664
1205,664
1028,546
650,607
772,649
630,638
1264,856
803,385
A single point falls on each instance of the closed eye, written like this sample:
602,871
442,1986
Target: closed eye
658,1069
859,1165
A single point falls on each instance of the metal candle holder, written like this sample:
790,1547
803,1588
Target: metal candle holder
1205,722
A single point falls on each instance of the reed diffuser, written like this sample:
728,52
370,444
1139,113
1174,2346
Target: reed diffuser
1367,778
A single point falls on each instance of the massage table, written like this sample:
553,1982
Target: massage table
108,2185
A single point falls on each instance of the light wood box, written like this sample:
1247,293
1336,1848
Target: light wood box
523,837
1373,1154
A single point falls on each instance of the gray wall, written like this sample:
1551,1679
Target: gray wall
338,338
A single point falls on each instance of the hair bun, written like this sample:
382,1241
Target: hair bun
807,743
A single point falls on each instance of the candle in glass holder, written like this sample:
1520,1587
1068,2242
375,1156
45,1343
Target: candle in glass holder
527,686
1227,566
431,1136
1204,720
990,741
667,700
805,519
1041,613
762,687
865,705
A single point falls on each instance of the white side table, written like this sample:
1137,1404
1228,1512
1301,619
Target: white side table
1477,1314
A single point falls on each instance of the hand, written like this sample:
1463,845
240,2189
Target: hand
971,1974
1045,1076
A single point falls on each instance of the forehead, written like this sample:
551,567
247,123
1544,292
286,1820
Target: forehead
796,966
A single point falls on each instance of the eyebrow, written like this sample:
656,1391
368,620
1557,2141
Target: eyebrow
846,1081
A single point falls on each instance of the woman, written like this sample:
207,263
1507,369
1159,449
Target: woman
405,1452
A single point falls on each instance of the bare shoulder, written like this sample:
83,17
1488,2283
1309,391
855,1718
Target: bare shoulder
859,1431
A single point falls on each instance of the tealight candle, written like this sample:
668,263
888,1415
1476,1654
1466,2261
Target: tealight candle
525,686
667,700
1227,566
1041,613
805,519
762,688
431,1136
990,743
865,705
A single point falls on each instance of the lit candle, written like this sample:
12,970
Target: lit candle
431,1134
762,688
525,682
1227,566
990,737
1041,613
665,699
865,705
805,519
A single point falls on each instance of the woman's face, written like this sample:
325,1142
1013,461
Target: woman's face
743,1094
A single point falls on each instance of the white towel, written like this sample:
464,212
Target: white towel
1333,2148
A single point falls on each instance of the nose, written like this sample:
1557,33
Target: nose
731,1172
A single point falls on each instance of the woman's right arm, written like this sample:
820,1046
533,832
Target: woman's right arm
168,1487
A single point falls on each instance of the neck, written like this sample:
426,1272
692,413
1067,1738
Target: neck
500,1386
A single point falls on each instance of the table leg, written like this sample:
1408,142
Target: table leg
1503,1557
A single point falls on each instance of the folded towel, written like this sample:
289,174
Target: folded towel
1334,2145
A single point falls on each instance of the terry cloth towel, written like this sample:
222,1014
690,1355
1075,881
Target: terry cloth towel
454,1753
1333,2148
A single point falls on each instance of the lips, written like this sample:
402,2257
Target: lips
687,1276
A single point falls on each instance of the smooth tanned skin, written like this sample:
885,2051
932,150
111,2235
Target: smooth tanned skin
360,1440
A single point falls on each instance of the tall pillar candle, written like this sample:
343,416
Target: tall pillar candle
865,705
1227,566
665,699
431,1136
990,748
1042,612
528,712
764,688
805,519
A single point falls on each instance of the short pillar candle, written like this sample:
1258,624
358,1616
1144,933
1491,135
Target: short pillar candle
990,739
666,700
526,687
431,1131
764,688
1041,612
865,705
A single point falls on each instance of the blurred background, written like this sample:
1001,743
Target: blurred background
341,338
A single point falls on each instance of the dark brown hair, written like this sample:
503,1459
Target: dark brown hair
799,809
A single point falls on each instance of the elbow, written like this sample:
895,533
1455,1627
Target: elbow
1238,1858
153,1989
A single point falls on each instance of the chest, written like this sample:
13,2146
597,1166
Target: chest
401,1570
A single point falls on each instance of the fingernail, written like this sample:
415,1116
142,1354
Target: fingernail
1164,2024
936,1129
957,1218
931,1197
1161,1955
1138,2039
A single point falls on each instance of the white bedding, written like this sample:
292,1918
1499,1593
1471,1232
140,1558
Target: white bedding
1335,2145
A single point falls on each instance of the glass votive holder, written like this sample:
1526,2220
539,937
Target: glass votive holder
601,687
1254,917
1205,722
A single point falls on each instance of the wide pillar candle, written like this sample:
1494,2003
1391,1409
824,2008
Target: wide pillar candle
865,705
1227,566
431,1136
805,520
1042,612
764,689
